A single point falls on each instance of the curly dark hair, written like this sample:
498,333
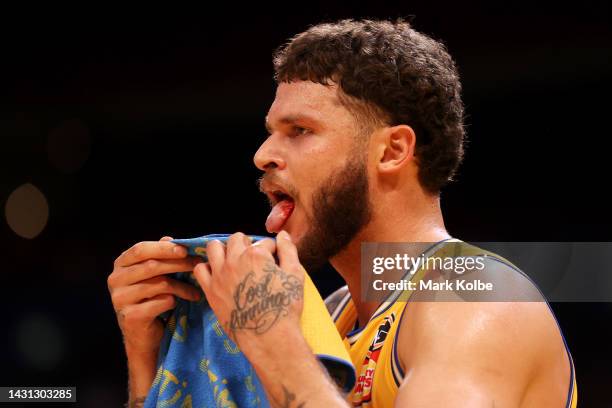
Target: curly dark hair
388,74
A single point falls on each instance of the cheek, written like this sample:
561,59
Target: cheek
309,168
314,160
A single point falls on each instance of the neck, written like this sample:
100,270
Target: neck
417,222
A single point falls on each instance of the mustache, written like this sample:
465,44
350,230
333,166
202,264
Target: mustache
273,179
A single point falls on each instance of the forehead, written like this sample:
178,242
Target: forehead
305,98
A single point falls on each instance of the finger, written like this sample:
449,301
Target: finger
203,275
215,251
150,309
166,238
268,244
236,244
267,248
150,288
150,250
287,253
149,269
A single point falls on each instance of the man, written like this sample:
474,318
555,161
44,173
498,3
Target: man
365,130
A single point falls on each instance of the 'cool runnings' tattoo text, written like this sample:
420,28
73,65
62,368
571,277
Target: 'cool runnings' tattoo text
260,303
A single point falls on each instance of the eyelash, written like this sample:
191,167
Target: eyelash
295,132
300,130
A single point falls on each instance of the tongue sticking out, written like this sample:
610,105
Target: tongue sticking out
279,215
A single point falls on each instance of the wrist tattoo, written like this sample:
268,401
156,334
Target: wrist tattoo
258,304
288,400
136,403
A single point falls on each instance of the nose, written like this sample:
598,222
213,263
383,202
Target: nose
269,156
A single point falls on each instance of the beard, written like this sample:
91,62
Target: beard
341,208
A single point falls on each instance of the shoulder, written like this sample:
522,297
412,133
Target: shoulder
494,327
492,340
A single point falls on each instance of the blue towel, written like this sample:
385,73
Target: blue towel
199,366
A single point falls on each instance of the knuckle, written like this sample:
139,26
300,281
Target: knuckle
151,265
116,299
250,252
212,244
256,251
266,242
110,281
255,255
164,285
169,300
136,249
238,237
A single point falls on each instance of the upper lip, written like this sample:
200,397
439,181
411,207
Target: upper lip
273,191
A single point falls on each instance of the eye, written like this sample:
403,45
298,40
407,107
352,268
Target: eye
300,131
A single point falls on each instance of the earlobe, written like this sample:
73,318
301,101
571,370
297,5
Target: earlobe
399,148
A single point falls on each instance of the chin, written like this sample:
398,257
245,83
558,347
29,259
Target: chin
295,234
292,233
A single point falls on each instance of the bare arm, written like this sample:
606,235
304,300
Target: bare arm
141,372
140,292
290,373
480,354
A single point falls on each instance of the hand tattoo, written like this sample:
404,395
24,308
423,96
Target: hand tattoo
288,400
259,304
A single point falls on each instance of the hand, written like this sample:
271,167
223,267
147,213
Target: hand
140,292
249,292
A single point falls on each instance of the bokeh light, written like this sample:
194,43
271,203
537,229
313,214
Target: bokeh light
40,342
27,211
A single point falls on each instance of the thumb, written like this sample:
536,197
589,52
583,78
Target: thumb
203,275
287,253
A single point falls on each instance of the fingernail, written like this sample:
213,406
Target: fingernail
285,235
179,250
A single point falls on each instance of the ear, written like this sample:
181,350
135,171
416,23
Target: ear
398,149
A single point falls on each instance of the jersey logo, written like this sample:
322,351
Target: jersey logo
363,390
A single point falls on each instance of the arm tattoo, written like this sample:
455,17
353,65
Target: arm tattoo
288,400
258,304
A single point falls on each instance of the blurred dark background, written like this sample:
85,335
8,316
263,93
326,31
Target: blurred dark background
130,126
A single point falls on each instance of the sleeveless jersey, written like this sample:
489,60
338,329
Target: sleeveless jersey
373,348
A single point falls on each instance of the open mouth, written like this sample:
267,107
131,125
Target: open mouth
282,207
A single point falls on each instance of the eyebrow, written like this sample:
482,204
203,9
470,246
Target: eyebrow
291,119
